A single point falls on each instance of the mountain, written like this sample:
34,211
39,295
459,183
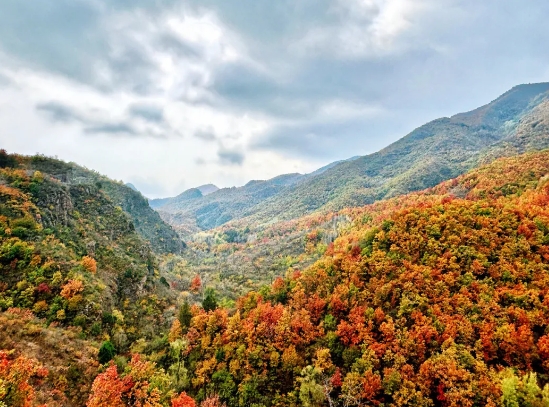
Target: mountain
515,122
444,148
437,298
192,211
146,221
207,189
75,271
192,193
432,298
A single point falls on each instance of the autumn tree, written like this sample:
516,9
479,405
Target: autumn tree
196,284
16,379
89,264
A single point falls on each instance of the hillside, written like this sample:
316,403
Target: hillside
147,222
439,150
71,260
514,123
437,298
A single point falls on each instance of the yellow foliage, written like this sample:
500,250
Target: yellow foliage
290,358
322,360
175,331
75,301
40,306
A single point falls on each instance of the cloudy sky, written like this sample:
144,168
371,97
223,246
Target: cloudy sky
171,94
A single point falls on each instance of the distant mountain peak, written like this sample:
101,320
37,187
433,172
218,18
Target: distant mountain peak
207,189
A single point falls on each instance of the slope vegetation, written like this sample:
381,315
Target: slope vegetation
73,273
437,298
147,222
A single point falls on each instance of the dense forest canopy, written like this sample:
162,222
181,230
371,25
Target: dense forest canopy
434,298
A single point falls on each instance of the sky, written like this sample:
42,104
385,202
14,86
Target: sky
173,94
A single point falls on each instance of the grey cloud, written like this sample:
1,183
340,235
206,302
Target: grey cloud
263,22
111,128
133,70
58,112
206,135
330,140
230,156
57,35
314,84
174,45
455,56
150,113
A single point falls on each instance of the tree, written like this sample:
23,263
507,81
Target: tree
7,160
175,331
210,300
16,375
183,401
141,384
185,316
106,352
72,288
196,284
107,390
89,264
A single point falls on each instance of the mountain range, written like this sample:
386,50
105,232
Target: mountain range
515,122
336,288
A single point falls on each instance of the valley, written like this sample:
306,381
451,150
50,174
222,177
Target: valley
417,275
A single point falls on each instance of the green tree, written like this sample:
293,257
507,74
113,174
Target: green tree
185,316
106,352
210,300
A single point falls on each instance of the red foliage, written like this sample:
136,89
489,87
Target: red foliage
336,378
196,284
17,376
43,288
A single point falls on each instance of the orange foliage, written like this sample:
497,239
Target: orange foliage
109,389
16,377
422,301
72,288
183,401
89,264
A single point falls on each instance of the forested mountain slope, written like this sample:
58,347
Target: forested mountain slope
192,211
514,123
72,257
436,298
444,148
147,222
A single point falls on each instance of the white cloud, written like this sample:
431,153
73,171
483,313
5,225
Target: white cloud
167,96
152,153
370,28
